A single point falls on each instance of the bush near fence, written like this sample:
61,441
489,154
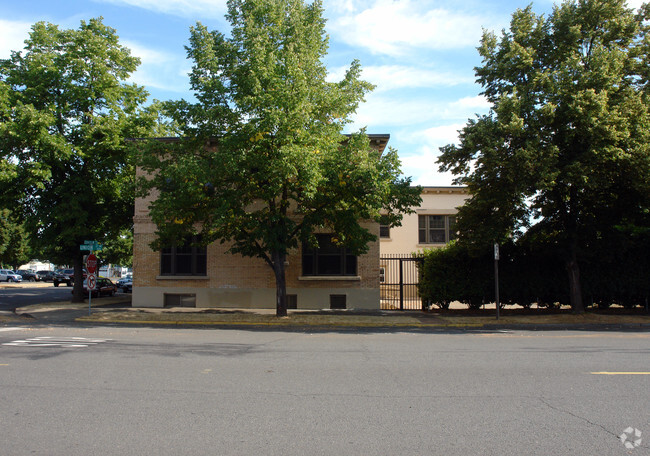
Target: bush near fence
613,271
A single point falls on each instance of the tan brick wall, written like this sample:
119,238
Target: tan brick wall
225,270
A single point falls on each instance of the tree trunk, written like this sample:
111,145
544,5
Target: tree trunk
77,291
575,287
280,284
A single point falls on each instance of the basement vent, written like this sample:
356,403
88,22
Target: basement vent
180,300
338,301
292,301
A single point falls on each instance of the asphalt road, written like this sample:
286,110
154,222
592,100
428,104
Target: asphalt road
117,391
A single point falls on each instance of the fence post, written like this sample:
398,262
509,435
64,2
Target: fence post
401,286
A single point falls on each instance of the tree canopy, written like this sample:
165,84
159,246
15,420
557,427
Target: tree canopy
281,167
564,150
65,110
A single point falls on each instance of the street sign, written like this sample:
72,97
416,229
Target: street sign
91,263
92,246
91,281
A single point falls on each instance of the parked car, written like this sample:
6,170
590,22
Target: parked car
127,278
28,275
104,287
127,287
7,275
45,276
66,276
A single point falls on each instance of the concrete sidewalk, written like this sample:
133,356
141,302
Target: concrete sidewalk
118,310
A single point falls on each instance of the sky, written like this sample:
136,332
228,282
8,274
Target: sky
420,55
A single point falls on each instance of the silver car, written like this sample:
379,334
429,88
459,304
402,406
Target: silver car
7,275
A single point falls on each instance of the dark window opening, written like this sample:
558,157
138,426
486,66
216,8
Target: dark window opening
384,231
186,259
338,301
328,259
179,300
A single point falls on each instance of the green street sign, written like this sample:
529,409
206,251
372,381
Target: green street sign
91,246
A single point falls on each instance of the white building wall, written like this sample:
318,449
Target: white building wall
435,201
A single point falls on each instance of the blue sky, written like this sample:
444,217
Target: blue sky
420,54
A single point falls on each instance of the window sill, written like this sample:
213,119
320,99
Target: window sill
329,278
182,277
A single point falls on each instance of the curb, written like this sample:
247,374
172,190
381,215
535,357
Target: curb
405,326
279,324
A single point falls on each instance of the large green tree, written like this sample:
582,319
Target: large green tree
281,167
565,146
66,110
14,244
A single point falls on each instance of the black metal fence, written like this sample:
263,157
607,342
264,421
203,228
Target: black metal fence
399,282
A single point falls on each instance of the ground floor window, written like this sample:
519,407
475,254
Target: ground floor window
189,258
328,259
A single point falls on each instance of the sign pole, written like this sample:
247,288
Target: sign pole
90,292
496,277
91,266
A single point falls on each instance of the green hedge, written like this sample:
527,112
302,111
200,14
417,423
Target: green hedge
612,271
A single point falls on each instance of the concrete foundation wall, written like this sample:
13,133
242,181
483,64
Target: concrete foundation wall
256,298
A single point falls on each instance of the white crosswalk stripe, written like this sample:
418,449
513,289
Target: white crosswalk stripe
48,341
9,329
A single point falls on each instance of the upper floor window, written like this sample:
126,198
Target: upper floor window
186,259
384,231
328,259
436,229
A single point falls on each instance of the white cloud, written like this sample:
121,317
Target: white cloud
12,36
389,77
148,55
390,27
393,111
159,69
478,102
421,163
398,110
635,3
184,8
422,167
441,135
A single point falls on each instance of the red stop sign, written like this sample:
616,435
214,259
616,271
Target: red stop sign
91,263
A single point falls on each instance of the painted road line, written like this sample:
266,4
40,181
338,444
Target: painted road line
49,341
9,329
620,373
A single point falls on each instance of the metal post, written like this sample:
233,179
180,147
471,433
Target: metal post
496,278
401,285
90,293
